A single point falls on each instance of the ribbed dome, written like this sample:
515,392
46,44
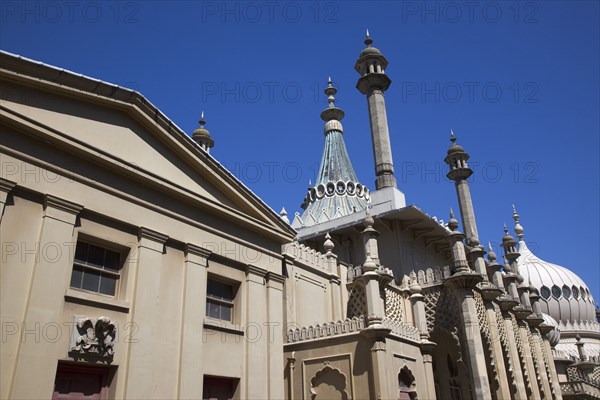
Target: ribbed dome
565,296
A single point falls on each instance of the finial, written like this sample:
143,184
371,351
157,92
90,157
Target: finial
202,120
452,223
491,255
452,137
518,227
310,183
283,215
328,244
368,40
330,91
505,230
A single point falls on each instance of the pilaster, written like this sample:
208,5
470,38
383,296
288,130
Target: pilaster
146,301
194,310
54,261
257,352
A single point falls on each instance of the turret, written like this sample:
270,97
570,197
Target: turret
373,83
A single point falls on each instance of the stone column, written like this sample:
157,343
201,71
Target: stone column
143,359
418,306
382,153
5,187
503,391
194,310
528,358
462,282
44,314
521,393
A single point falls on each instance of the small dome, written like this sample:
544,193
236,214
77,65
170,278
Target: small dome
200,133
370,51
554,335
455,148
564,295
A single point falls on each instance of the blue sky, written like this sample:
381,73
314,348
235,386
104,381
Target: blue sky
517,81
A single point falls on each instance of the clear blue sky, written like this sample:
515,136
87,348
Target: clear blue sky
517,81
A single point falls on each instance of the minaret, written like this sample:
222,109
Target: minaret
202,136
459,172
374,82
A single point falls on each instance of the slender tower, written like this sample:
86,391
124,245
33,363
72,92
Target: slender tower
459,173
373,82
202,135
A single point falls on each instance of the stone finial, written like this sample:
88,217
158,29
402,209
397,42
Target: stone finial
453,222
328,244
491,255
283,214
369,264
368,221
518,227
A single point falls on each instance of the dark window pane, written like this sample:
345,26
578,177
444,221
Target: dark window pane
90,280
575,292
226,313
112,260
556,292
213,310
107,284
76,277
81,251
220,290
95,255
545,292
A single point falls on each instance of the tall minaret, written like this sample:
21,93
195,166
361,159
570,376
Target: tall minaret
459,172
374,82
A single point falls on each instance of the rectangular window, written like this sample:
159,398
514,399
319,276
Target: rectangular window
96,269
219,388
219,300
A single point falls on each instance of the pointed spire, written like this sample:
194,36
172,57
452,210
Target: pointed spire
518,228
368,40
452,137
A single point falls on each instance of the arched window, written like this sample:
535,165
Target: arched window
406,383
556,292
575,292
545,292
566,292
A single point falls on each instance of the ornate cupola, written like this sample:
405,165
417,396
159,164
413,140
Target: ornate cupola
336,192
202,136
373,83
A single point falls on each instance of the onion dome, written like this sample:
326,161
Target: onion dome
564,295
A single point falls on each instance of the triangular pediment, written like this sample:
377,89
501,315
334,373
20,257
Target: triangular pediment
127,136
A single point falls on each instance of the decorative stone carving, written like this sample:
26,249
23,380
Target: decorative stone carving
96,340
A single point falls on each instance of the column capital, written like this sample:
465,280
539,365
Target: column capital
61,209
151,239
275,281
6,185
196,254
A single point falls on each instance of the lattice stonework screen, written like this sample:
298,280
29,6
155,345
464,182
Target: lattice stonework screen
357,304
393,305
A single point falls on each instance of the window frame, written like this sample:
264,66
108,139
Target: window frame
101,270
221,301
